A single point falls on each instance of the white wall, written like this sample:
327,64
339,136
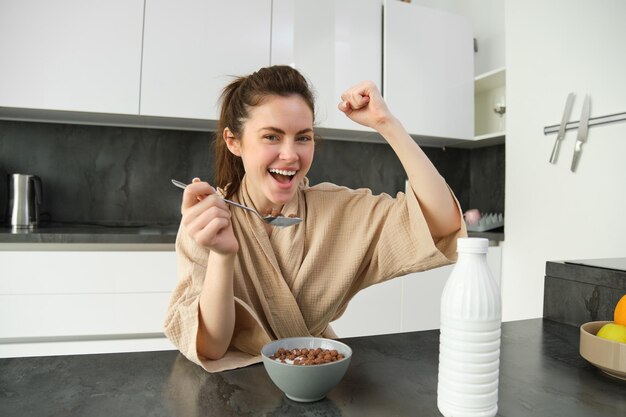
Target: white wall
553,48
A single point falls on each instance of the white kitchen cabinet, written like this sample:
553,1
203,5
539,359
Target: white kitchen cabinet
56,298
404,304
163,63
334,43
193,48
421,293
421,298
374,310
428,76
77,55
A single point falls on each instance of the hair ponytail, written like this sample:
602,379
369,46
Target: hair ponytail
229,169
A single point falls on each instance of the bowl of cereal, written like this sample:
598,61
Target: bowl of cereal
306,368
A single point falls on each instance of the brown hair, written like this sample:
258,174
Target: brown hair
237,99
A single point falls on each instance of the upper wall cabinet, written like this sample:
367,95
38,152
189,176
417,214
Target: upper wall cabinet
172,59
192,48
335,44
77,55
428,70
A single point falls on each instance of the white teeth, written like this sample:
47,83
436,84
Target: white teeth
282,172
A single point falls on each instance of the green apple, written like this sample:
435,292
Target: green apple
612,331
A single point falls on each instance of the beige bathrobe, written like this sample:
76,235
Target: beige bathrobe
301,278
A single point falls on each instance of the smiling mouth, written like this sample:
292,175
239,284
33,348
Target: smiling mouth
281,175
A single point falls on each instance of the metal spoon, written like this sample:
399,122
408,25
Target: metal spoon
279,221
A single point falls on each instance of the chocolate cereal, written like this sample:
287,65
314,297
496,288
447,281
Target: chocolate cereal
276,213
307,357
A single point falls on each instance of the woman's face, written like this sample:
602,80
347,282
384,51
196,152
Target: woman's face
276,148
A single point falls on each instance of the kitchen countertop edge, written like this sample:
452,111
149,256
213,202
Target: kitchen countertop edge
46,237
587,274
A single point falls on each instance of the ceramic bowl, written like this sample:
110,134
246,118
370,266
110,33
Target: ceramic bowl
306,383
608,355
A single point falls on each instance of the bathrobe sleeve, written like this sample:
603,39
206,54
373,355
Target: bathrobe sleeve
182,318
365,239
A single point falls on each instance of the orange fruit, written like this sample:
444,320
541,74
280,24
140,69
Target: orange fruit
619,316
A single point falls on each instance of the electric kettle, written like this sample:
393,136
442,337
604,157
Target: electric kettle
25,199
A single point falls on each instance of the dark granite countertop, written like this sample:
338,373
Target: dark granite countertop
68,233
541,374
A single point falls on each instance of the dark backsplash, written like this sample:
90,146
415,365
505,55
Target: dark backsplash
121,176
487,179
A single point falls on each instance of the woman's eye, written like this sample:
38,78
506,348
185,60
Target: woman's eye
271,138
304,138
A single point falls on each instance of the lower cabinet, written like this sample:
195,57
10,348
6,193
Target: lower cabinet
374,310
84,302
405,304
77,302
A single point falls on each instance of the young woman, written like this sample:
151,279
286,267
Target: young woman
243,283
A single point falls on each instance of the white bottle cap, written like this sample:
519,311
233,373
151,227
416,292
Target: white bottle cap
472,245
